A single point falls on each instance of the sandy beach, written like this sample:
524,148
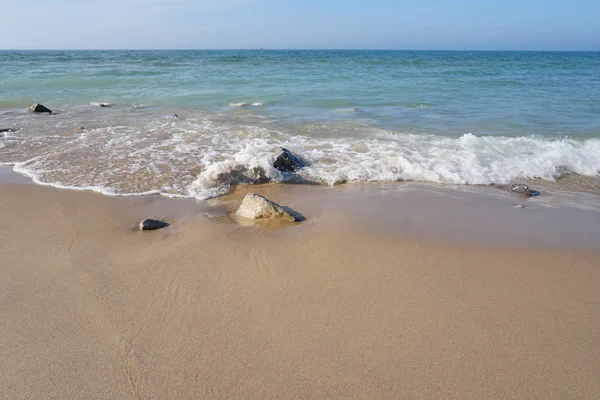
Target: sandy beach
346,305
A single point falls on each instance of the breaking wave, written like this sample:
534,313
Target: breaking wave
204,157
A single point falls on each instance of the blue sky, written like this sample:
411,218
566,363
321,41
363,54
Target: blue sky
339,24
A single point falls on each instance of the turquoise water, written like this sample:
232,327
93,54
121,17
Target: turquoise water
449,117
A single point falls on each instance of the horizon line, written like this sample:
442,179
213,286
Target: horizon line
298,49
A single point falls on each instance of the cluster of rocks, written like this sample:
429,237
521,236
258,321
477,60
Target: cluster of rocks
255,206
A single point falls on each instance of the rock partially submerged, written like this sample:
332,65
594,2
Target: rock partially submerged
101,104
39,108
241,175
522,189
2,130
255,206
152,224
288,162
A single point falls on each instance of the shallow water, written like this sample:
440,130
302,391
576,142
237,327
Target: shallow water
445,117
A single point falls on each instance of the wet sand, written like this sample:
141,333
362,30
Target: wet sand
386,291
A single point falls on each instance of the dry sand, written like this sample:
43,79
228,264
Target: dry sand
334,308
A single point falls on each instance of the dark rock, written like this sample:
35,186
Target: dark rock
288,162
2,130
522,189
152,224
38,108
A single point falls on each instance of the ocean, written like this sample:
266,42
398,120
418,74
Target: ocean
197,123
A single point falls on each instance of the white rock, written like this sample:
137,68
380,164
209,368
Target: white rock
255,206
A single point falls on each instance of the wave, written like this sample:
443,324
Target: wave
244,104
410,157
204,157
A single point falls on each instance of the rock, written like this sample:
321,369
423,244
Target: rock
255,206
2,130
152,224
241,175
38,108
519,188
101,104
522,189
288,162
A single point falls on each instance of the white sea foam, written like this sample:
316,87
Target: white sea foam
7,138
205,156
391,157
35,177
244,104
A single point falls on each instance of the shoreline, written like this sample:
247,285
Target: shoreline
454,215
339,306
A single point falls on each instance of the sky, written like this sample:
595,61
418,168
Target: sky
301,24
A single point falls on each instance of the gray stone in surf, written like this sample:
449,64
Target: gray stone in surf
39,108
522,189
152,224
101,104
255,206
288,162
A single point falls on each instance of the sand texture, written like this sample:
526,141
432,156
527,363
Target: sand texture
91,308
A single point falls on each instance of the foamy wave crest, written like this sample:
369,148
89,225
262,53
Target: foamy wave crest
392,157
206,156
251,164
465,160
243,104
